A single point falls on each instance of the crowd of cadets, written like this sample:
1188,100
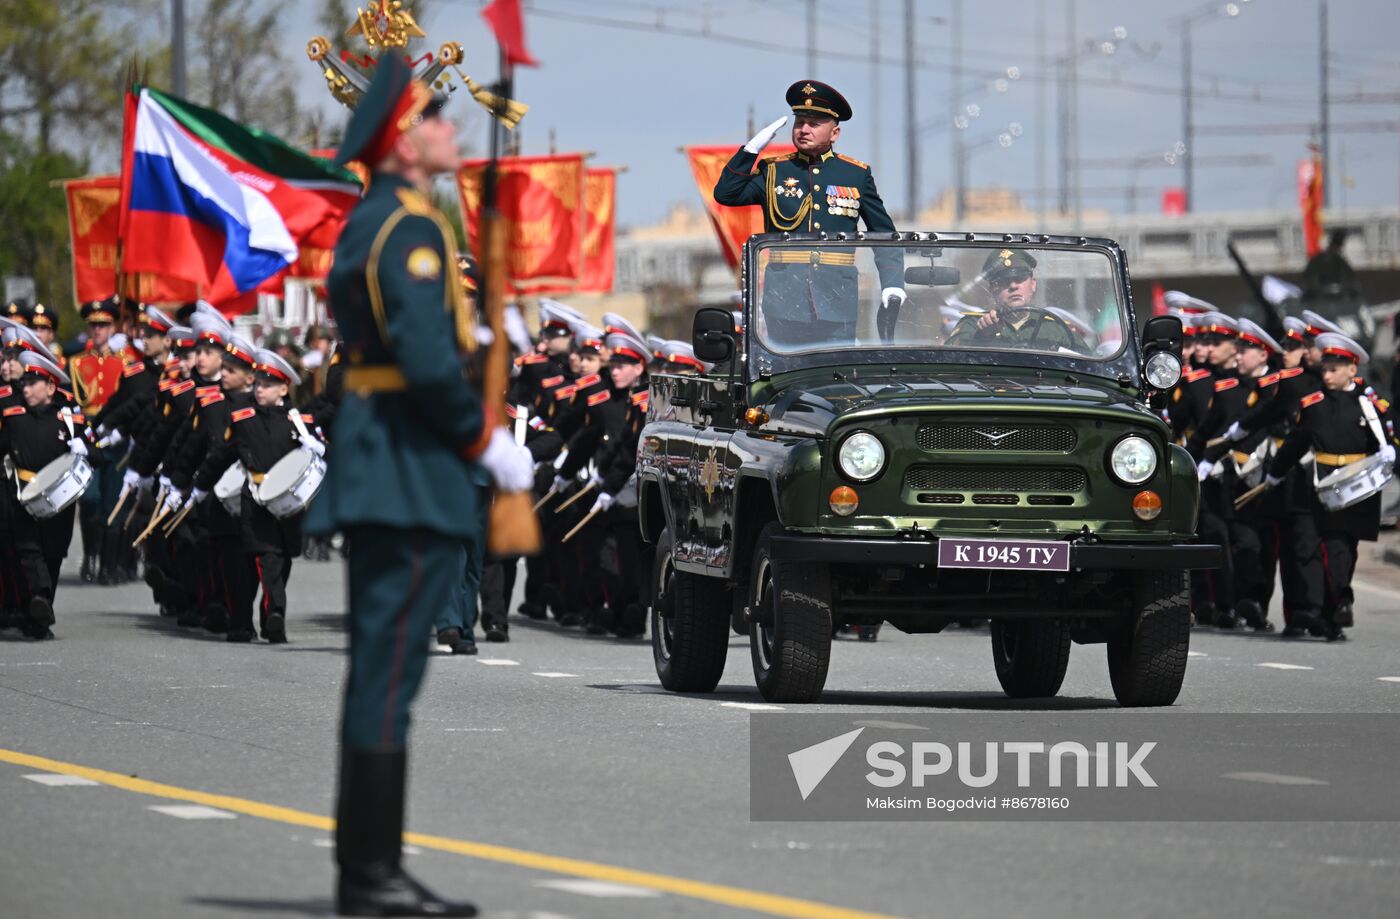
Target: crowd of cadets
161,413
164,413
1283,413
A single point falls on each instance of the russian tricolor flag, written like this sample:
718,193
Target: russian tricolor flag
220,204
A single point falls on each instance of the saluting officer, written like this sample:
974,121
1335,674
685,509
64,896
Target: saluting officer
810,296
400,481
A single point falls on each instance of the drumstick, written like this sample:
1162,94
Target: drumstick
131,514
1250,495
121,499
582,523
178,519
1217,441
547,495
581,492
155,521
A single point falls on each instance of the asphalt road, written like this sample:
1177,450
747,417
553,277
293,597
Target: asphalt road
551,777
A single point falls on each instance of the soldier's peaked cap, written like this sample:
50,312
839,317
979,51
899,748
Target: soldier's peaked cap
36,364
241,350
1187,303
612,322
1317,324
1251,333
628,348
211,330
1218,323
1295,330
1006,261
274,365
157,321
813,97
392,105
1334,344
21,337
104,310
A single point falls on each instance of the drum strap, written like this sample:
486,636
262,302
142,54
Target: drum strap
1373,421
295,417
25,475
67,415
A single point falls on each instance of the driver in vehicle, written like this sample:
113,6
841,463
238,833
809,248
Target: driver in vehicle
1013,322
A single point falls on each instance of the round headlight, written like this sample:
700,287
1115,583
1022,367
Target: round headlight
1163,370
861,456
1133,460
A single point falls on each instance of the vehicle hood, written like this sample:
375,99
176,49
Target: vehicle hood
806,406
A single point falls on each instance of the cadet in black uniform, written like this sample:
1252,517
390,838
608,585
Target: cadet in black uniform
1342,424
33,434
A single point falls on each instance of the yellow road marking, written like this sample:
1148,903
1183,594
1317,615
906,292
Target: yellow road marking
737,897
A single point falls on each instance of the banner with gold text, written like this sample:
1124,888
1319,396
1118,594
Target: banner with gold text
541,203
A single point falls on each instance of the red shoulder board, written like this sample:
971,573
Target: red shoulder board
14,410
598,398
1290,373
1311,399
206,390
852,160
552,382
565,392
529,359
591,380
306,418
180,389
211,399
166,384
1269,380
66,394
79,418
5,392
133,369
639,398
1192,376
243,414
1227,383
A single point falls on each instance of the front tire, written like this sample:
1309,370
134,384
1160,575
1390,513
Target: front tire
1147,658
689,624
790,631
1031,656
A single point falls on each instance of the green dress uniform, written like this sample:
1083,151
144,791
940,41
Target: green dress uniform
400,482
811,296
1019,328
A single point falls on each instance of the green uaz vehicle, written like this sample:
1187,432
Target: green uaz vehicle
986,449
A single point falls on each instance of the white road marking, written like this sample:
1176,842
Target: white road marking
29,664
1273,666
752,706
1195,654
1389,679
475,730
1375,588
589,888
53,779
497,662
192,812
553,675
1272,778
323,843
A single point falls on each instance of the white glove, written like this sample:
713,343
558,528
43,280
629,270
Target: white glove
77,447
197,495
604,502
508,462
765,137
559,484
892,296
1235,432
173,500
1203,469
110,439
312,359
133,479
1388,453
595,479
312,445
1272,480
559,460
165,482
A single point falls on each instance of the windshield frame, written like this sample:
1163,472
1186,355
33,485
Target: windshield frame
762,362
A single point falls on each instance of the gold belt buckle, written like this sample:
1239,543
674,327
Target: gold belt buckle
815,257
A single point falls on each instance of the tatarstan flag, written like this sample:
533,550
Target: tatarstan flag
220,204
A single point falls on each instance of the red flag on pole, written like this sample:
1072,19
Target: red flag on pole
508,23
1310,200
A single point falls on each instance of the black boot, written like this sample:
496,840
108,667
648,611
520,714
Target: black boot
368,842
91,533
109,573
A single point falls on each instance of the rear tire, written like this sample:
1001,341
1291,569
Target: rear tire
790,632
1147,658
1030,656
689,624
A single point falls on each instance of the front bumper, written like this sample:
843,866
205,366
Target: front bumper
1083,556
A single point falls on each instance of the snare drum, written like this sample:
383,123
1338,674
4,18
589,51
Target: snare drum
1353,483
291,483
56,486
229,489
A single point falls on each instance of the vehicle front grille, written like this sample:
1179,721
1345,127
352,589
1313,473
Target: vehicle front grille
1023,438
1038,479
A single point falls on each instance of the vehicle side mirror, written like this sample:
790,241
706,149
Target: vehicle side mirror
712,335
1161,352
1162,333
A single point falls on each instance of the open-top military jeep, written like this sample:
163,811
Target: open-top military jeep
985,450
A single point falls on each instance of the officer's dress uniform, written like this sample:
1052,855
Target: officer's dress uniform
812,296
96,375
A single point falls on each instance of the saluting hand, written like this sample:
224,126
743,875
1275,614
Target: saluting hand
765,137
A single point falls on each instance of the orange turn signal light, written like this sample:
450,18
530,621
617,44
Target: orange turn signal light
756,416
843,500
1147,505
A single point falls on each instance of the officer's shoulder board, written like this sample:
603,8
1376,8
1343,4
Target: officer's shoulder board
1312,399
551,382
592,379
415,202
243,414
524,359
305,418
14,410
781,158
210,399
1193,376
132,369
1227,383
204,391
164,385
565,392
1290,373
641,398
5,392
1268,380
852,160
179,389
598,398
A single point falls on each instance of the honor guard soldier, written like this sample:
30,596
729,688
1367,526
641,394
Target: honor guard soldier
400,479
41,429
1014,322
44,321
815,190
1343,425
96,372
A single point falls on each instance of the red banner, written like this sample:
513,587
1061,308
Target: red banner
733,225
599,225
540,199
1310,200
93,219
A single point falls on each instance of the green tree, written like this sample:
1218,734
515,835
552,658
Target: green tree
34,222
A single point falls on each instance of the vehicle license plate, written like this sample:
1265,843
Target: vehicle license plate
1020,555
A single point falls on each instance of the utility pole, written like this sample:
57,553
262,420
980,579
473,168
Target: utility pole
911,136
1072,79
875,83
812,39
1187,138
1041,114
1324,129
177,48
959,160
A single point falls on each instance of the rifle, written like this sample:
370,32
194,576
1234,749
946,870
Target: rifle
1273,319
